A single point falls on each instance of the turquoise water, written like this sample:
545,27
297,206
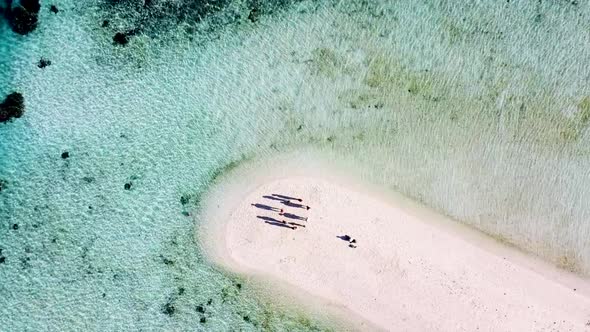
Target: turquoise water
479,110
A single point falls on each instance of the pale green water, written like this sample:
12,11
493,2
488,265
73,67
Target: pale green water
478,110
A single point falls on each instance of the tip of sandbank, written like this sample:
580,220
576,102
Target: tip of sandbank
247,226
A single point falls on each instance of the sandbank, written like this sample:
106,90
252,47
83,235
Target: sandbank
412,269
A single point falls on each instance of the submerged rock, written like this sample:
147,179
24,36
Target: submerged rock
54,9
43,63
12,107
169,309
23,16
253,15
122,38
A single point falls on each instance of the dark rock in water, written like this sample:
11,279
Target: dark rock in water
185,199
65,155
253,16
2,259
105,23
54,9
43,63
200,309
127,186
203,320
169,309
32,6
88,179
12,107
15,227
23,18
120,38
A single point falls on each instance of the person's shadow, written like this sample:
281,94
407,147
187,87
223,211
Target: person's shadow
273,198
265,218
265,207
274,222
287,203
287,197
294,216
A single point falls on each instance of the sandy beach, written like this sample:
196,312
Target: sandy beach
409,270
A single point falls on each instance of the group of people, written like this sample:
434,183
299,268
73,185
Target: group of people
290,201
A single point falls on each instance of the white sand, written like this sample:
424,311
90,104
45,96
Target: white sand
413,270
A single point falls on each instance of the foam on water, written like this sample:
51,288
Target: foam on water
479,110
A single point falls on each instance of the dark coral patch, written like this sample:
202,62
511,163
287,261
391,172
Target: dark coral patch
24,17
122,38
12,107
43,63
253,15
169,309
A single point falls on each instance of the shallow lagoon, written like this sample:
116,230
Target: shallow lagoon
480,111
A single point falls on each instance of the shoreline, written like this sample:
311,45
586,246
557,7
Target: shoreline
221,237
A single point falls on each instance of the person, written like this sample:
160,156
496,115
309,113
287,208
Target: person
307,207
281,212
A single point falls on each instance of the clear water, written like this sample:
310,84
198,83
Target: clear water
479,110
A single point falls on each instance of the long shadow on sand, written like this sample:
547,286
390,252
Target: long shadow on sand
274,198
287,203
287,197
265,218
265,207
274,222
294,216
